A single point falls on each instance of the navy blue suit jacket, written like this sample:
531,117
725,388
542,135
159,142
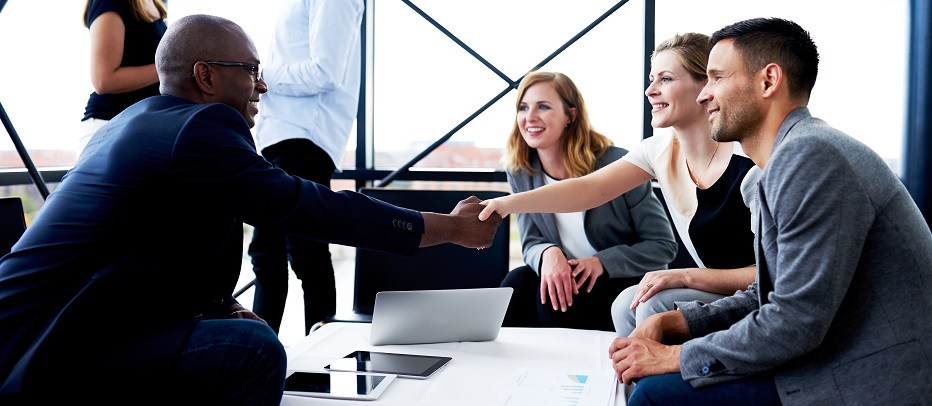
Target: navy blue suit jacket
145,234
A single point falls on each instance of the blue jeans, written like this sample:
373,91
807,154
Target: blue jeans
198,362
233,362
671,389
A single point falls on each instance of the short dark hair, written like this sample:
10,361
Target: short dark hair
775,40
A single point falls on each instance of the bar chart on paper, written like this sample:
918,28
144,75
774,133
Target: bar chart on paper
558,388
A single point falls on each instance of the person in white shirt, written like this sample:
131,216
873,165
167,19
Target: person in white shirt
313,75
708,188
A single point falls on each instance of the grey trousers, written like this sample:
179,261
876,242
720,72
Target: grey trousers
626,319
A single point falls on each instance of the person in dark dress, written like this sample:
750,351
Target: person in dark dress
708,188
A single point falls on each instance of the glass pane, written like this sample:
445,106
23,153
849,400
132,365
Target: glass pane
870,41
426,85
46,80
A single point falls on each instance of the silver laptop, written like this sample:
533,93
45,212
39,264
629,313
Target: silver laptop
438,316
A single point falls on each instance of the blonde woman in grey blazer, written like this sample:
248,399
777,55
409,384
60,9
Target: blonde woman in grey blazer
841,313
577,263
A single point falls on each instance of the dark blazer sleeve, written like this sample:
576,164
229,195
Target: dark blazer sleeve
224,164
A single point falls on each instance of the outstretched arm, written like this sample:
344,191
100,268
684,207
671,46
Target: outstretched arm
571,195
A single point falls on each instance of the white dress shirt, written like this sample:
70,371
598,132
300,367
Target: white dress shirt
312,73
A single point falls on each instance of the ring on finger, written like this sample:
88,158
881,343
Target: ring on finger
650,285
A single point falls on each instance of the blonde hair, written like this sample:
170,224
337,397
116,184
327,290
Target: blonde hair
581,144
691,50
138,7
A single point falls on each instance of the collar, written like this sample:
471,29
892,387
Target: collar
789,122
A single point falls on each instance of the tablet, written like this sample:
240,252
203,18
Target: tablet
403,365
337,385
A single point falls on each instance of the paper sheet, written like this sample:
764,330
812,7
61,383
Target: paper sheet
564,387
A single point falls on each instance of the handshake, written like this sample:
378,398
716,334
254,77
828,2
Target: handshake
461,227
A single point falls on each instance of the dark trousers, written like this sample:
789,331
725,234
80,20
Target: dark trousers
591,311
220,362
272,249
671,389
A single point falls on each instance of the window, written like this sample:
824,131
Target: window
424,85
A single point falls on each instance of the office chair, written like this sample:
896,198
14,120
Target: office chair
444,266
12,222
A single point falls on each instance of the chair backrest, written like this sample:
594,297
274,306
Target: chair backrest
12,222
444,266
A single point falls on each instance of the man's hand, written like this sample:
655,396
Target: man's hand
669,324
462,226
635,358
651,328
237,311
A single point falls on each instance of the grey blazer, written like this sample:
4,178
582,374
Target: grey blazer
841,312
631,233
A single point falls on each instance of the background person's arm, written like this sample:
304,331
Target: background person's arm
107,40
332,38
571,195
720,281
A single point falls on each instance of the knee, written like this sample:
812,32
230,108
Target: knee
522,277
620,308
270,349
622,315
622,302
263,355
646,390
658,303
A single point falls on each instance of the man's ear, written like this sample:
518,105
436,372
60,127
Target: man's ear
771,80
203,78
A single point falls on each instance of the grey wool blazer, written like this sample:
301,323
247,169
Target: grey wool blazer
630,233
841,312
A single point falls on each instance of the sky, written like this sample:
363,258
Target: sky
425,85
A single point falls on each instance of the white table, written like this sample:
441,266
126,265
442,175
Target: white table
478,372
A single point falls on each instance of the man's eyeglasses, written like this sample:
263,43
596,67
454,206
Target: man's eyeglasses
253,68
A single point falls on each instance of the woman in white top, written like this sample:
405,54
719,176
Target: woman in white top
708,188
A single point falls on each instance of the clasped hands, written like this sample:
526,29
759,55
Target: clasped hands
474,233
561,278
642,354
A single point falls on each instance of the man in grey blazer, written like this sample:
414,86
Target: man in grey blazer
841,312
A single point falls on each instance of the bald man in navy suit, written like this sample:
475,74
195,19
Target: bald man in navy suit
120,290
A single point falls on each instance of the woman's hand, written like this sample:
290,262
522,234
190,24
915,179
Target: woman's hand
655,281
497,205
590,268
556,280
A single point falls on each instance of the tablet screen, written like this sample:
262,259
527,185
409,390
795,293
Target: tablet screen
403,365
344,385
